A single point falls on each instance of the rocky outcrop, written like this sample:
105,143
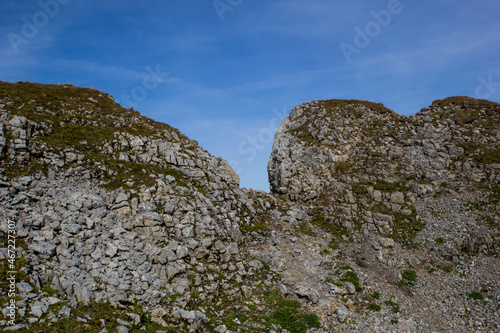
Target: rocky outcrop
110,221
423,189
110,207
321,143
365,166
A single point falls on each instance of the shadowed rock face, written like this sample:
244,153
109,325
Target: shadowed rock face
376,220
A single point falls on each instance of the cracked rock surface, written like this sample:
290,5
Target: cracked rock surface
375,222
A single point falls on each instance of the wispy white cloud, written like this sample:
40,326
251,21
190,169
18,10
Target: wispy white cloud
301,78
117,72
439,52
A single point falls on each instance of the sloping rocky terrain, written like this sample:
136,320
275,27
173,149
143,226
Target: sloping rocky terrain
112,222
415,201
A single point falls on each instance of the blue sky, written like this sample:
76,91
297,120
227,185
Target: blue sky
226,72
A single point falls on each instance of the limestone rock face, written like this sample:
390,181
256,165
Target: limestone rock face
322,145
114,207
365,166
426,185
123,223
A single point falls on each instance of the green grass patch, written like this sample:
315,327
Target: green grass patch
334,244
140,173
230,323
390,187
12,265
439,241
447,268
306,230
349,106
395,308
253,227
15,170
408,277
325,252
335,230
351,276
476,295
287,314
96,311
343,167
373,307
406,228
488,156
265,266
